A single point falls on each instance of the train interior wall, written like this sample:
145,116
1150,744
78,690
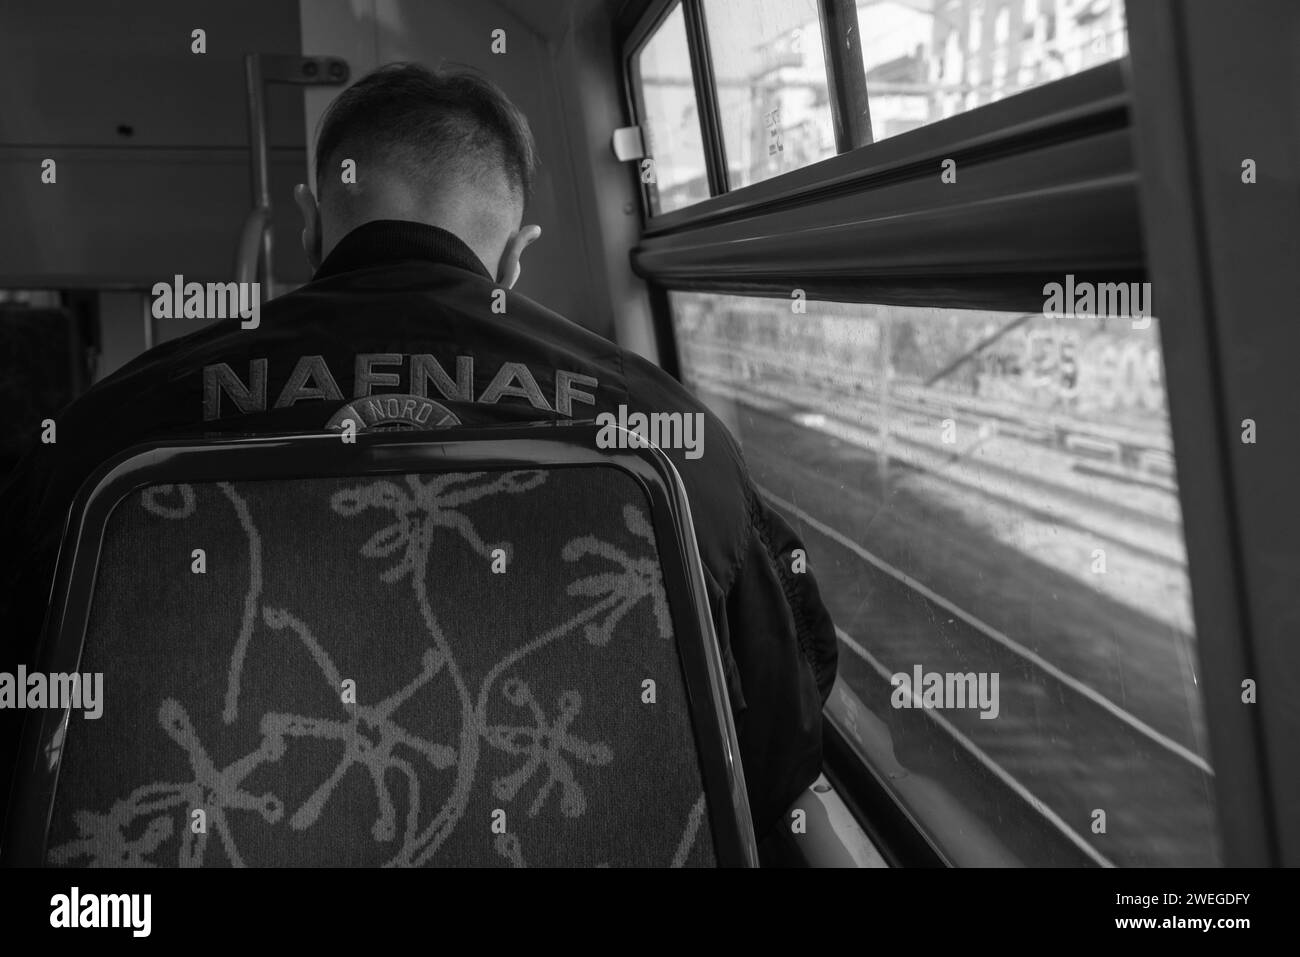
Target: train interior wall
154,162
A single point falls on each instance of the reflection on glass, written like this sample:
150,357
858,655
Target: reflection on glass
928,59
672,121
770,72
986,494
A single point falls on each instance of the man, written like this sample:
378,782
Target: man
422,182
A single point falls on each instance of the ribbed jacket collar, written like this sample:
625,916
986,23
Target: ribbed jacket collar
395,240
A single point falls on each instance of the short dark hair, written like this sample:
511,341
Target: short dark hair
432,123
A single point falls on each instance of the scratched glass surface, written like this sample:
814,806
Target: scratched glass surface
992,495
770,72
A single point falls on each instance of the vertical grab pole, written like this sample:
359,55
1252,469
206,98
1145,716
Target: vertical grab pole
259,70
261,176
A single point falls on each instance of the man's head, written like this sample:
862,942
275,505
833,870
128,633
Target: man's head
443,148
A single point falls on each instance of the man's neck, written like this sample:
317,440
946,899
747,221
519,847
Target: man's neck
461,213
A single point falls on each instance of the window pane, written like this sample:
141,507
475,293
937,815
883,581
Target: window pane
993,495
928,59
770,72
672,120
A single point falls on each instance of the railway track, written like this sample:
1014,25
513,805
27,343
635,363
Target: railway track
1104,516
1094,713
1160,772
1083,441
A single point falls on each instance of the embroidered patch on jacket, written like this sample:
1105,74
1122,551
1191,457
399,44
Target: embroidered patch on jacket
393,412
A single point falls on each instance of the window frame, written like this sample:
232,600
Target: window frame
1105,181
1077,127
653,17
1224,261
855,227
875,208
850,112
846,75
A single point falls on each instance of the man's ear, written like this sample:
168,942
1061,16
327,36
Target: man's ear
509,269
311,231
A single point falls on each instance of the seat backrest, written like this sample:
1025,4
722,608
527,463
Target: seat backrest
442,653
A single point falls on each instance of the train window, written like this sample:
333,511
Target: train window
992,504
929,60
770,73
670,118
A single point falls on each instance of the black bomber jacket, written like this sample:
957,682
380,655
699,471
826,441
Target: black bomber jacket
405,310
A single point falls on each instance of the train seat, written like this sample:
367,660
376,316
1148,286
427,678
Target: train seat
479,647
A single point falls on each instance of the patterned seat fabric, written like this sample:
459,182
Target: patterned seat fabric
455,668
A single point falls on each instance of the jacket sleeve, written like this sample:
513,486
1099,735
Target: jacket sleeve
783,642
